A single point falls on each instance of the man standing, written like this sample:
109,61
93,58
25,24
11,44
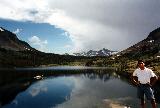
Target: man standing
144,83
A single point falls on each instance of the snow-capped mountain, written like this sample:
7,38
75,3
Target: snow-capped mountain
102,52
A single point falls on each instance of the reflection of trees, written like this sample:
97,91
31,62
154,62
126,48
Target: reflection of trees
93,76
9,92
11,84
100,74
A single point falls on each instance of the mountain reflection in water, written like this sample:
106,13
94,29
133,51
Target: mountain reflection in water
66,89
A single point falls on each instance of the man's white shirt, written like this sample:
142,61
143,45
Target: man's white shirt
144,75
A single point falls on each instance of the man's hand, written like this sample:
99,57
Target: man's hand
149,84
137,83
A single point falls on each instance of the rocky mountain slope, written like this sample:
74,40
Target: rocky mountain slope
9,41
145,48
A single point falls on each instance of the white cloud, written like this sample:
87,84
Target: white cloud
37,89
67,46
42,45
91,24
17,31
66,34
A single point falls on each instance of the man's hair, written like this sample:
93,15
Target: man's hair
140,61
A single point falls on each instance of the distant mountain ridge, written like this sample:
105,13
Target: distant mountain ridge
90,53
9,41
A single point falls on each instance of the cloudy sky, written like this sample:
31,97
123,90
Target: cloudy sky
66,26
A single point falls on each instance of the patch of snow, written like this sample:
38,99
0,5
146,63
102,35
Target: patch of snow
151,41
1,29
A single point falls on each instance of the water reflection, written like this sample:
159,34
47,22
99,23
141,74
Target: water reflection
67,89
10,86
37,89
92,91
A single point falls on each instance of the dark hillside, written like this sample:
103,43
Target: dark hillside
18,53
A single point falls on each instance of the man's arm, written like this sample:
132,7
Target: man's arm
153,80
135,81
134,78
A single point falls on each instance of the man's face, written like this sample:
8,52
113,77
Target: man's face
141,65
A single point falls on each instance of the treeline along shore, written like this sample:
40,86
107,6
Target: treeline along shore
17,53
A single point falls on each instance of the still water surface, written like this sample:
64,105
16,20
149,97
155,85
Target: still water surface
87,88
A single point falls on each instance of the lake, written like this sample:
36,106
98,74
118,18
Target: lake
67,87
